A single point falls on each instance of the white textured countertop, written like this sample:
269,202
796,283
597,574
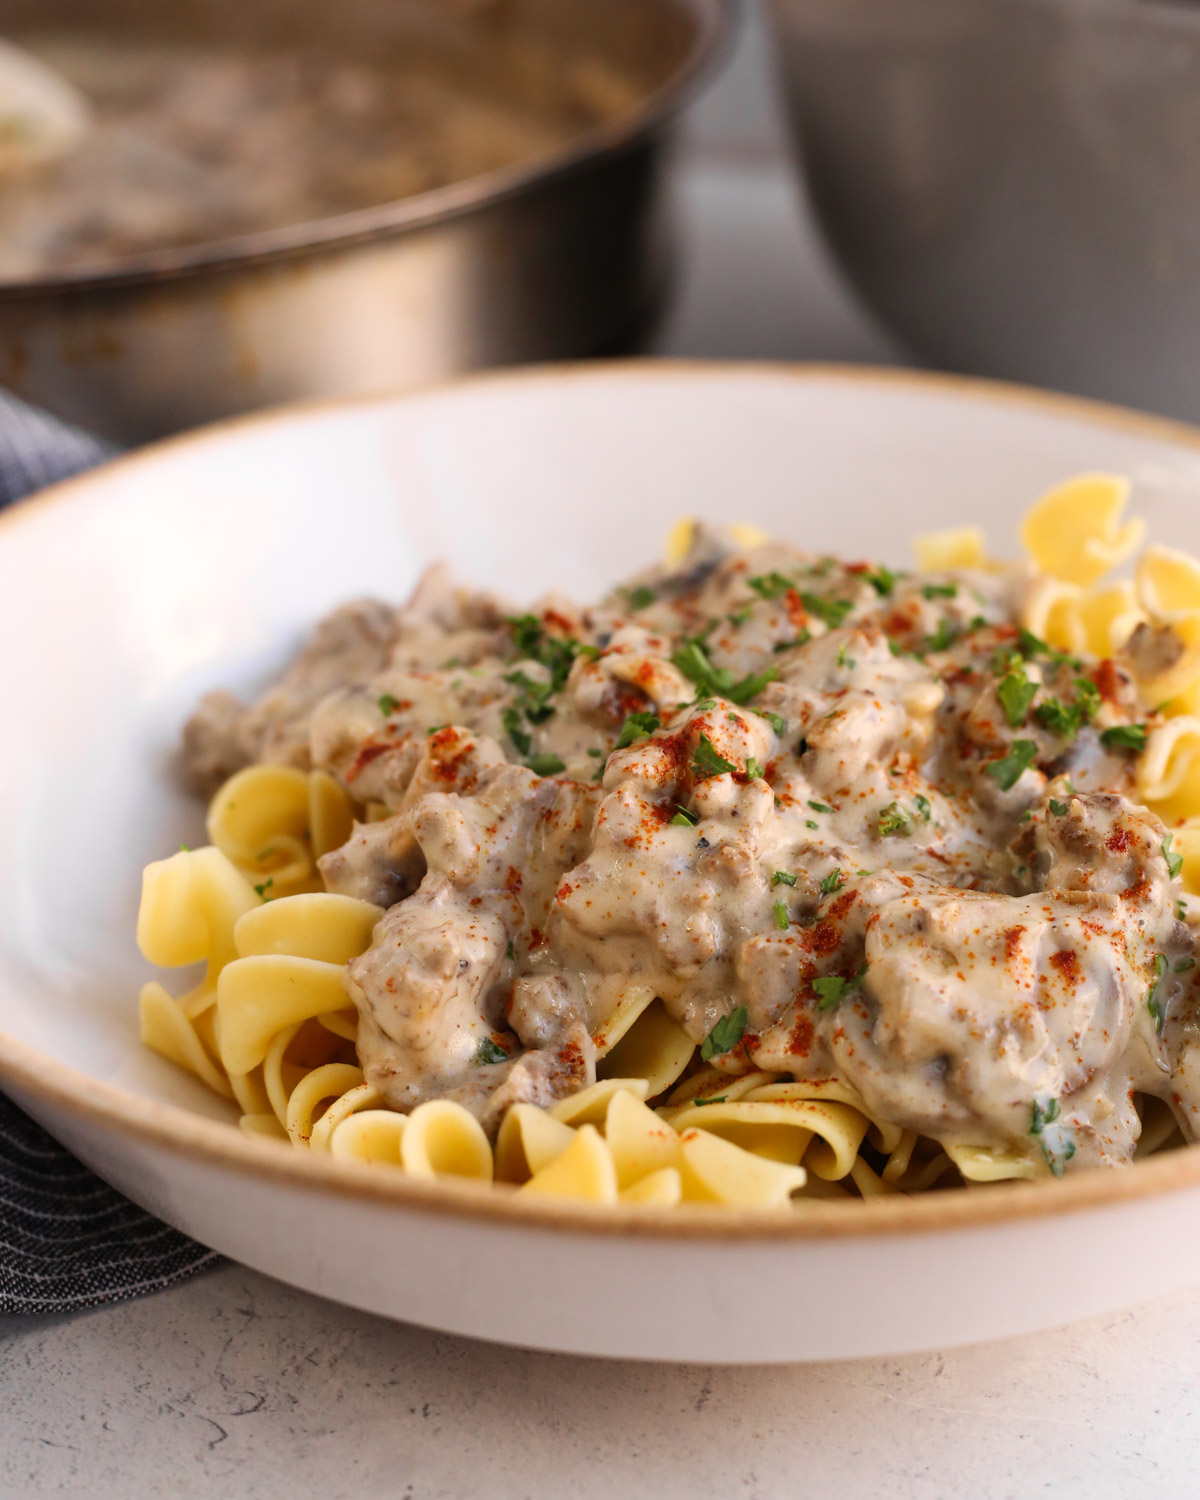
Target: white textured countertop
232,1385
235,1386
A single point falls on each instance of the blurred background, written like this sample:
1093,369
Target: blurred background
756,280
212,207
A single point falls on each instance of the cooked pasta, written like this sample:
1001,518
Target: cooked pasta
768,879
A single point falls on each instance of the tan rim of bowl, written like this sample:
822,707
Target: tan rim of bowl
44,1080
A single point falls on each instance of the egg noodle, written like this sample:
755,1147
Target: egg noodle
270,1025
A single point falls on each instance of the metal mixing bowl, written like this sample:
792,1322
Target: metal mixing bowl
1013,185
561,257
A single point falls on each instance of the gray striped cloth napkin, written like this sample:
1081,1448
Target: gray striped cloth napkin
67,1240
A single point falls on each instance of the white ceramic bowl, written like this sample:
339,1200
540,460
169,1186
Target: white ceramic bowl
126,593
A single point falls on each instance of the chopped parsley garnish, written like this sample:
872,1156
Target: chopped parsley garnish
894,822
708,760
943,637
1087,698
1043,1115
435,729
636,727
488,1052
546,765
1174,861
939,590
527,633
846,661
1009,769
820,807
883,581
714,1099
1181,911
1124,737
534,695
185,848
832,882
753,769
1057,1141
1153,1004
770,585
596,754
265,887
924,807
750,687
1057,718
777,722
833,989
640,597
797,640
781,916
508,952
555,653
739,617
692,660
511,719
1066,719
1059,809
684,819
1016,693
1004,661
832,611
808,823
725,1035
1184,964
1031,645
537,710
783,877
387,704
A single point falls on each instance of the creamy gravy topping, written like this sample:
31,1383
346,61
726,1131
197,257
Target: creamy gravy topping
858,822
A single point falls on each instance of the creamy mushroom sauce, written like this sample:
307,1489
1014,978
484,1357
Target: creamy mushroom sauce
874,822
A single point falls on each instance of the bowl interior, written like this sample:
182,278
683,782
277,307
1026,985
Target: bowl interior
127,593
